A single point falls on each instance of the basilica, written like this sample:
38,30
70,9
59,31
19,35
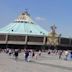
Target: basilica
23,32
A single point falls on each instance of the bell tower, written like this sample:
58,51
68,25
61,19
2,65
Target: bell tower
53,36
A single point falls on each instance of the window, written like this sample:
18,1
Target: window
40,32
30,31
16,38
35,39
2,37
12,30
64,41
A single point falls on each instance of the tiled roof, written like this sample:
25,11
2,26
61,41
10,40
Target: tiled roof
24,25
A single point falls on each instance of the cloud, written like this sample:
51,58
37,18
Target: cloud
40,18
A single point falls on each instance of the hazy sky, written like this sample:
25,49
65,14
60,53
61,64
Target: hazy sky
44,12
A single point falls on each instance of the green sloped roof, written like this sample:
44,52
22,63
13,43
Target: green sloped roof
24,25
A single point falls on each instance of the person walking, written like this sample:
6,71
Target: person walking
60,54
16,54
66,54
26,55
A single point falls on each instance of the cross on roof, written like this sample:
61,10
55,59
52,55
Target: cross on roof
53,28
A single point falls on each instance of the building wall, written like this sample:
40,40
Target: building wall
21,40
25,40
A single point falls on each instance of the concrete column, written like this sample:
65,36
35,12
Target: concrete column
44,40
26,39
69,41
6,40
59,40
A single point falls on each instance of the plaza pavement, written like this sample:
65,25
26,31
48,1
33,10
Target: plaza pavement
45,63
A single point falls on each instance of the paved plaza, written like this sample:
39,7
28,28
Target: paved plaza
45,63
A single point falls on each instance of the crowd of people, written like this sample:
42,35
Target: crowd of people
29,54
66,53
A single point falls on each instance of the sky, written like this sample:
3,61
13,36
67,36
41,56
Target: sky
44,12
